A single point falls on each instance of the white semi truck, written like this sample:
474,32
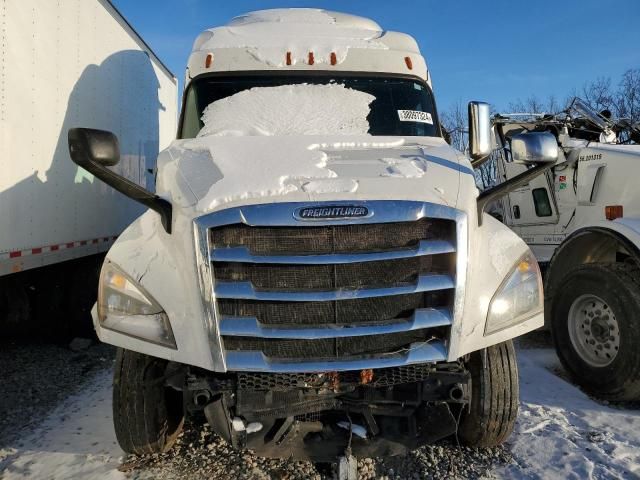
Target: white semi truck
315,272
582,221
66,64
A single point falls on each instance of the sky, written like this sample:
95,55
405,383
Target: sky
497,52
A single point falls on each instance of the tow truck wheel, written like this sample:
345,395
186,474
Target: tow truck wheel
493,410
147,415
596,328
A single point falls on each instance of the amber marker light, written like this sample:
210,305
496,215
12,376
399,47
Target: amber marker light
611,212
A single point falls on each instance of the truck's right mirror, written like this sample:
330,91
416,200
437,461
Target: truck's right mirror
534,148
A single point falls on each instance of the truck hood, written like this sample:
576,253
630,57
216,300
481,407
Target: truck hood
209,173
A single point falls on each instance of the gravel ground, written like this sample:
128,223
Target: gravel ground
201,454
35,378
38,377
561,432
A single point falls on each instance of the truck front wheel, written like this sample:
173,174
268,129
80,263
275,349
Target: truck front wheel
147,415
596,329
490,417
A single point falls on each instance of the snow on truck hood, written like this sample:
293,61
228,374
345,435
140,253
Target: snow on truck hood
211,172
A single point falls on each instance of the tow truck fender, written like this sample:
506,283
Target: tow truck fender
598,242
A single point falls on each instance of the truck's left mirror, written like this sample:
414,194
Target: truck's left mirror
88,144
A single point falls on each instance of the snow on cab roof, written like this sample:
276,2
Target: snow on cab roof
304,39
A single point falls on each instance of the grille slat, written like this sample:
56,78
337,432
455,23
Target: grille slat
243,255
245,290
325,348
349,292
250,327
344,312
350,276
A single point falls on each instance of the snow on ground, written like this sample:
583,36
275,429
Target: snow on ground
75,441
561,433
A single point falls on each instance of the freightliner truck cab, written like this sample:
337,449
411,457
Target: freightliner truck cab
315,272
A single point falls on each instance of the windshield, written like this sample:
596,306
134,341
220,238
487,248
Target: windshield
396,106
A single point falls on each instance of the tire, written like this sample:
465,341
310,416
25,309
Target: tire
492,413
147,416
592,298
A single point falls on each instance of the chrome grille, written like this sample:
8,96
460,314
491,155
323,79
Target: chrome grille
371,237
305,296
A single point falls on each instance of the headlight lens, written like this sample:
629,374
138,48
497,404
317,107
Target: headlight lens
518,298
127,308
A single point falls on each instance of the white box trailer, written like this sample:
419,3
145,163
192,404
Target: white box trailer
65,64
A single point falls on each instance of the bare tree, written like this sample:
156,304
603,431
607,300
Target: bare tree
455,123
623,101
534,105
627,99
598,94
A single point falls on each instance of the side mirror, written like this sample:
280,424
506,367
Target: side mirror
534,148
88,145
94,150
480,139
539,149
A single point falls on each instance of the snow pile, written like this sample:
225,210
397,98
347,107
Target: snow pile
206,172
289,110
405,167
76,441
562,433
269,34
285,15
263,166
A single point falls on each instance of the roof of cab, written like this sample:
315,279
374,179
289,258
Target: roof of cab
304,39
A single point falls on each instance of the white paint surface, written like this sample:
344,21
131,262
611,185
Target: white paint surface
62,72
561,433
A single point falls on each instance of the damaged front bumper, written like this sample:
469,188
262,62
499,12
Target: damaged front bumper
318,417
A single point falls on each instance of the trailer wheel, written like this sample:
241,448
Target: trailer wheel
596,330
147,415
491,415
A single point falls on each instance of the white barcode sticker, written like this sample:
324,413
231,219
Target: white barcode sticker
415,116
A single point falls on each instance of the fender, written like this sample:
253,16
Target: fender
591,244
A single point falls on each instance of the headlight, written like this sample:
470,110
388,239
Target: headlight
518,298
125,307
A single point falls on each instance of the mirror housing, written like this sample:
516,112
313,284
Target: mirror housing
102,147
534,148
94,150
539,149
480,138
